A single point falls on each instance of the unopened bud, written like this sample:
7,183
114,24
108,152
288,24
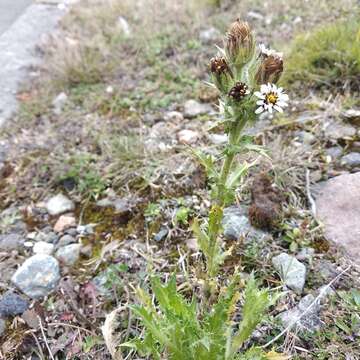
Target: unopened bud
239,44
221,73
270,70
239,91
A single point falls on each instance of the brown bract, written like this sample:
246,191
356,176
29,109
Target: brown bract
218,66
238,91
270,70
239,42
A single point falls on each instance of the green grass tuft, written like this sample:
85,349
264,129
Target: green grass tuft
327,57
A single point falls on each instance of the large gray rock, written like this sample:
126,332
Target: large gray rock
10,242
59,204
309,322
193,108
37,276
237,226
338,208
292,271
12,304
69,254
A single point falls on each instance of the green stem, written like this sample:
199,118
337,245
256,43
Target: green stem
234,138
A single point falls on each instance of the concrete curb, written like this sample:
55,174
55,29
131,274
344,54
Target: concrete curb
17,51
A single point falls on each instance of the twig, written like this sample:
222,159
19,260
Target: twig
44,337
308,193
322,292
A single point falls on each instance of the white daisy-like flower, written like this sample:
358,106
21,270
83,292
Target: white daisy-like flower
271,97
269,52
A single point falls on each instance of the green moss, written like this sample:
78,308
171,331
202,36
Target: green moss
329,56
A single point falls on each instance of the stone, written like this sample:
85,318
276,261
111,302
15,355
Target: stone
59,204
193,108
218,139
59,103
309,322
9,242
306,254
338,209
49,237
42,247
334,152
209,35
37,276
188,136
69,254
306,137
2,327
237,226
66,240
292,271
352,116
351,160
175,116
336,130
64,222
85,230
161,235
12,304
355,146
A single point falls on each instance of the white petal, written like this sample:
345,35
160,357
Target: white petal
280,89
264,89
260,102
270,109
281,103
259,94
259,110
278,108
283,97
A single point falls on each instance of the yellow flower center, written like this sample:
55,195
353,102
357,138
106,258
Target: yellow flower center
271,98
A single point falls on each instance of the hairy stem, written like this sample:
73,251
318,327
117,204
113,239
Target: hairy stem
214,230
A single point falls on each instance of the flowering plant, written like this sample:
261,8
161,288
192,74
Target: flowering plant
246,78
178,328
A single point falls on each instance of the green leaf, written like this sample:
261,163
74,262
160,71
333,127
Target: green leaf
207,161
238,173
256,303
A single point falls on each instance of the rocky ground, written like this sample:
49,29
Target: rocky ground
98,187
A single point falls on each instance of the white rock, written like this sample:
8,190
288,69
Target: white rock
59,204
291,271
43,247
193,108
69,254
188,136
218,139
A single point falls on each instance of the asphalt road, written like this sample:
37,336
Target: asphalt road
10,10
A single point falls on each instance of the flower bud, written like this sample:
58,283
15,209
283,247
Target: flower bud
270,70
221,73
238,91
239,44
